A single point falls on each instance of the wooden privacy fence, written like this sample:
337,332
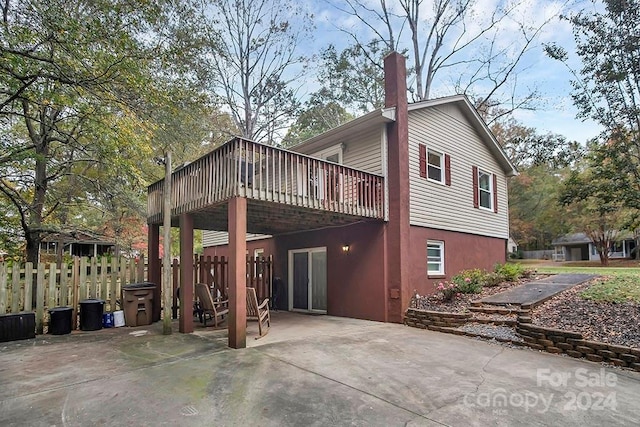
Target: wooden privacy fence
214,271
29,287
38,287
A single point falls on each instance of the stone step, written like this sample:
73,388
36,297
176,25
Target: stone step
493,310
495,321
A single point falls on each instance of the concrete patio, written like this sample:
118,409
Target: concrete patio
309,370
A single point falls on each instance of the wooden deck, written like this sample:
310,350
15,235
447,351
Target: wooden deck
284,190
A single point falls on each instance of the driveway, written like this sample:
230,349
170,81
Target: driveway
308,371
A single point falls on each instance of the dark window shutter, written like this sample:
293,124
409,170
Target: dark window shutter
447,169
495,192
423,160
476,200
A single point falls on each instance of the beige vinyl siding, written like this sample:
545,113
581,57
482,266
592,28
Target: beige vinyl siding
444,129
361,151
217,238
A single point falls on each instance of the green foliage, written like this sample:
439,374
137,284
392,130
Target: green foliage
353,77
509,272
592,201
492,279
316,117
89,88
607,89
469,281
535,217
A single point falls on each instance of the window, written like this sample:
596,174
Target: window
434,165
484,190
435,257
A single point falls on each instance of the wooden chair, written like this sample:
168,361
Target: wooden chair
216,309
258,312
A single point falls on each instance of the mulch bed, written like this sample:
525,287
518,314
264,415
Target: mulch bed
462,303
597,321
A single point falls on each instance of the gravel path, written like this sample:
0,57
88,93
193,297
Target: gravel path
491,331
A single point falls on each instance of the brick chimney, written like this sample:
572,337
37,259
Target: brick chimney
397,229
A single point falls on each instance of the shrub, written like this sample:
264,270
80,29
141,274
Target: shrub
510,272
492,279
469,281
446,290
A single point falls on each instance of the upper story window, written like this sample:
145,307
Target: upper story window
434,165
484,190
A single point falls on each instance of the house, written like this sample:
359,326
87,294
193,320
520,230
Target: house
512,246
75,243
357,218
579,247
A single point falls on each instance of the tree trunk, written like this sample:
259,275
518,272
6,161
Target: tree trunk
33,239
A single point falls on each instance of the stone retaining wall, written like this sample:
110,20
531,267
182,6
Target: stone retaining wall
427,319
537,337
572,344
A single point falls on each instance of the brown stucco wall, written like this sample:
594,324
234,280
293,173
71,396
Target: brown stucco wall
461,251
355,281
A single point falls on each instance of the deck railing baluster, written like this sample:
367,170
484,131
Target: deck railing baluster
248,169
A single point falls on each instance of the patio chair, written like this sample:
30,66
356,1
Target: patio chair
259,312
216,309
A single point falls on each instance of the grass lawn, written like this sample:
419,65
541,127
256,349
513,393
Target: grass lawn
618,284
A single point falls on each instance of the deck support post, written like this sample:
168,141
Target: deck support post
186,274
237,272
153,275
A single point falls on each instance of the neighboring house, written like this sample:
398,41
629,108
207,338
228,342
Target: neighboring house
512,246
361,216
75,243
579,247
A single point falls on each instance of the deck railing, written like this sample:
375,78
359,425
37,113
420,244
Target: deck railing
243,168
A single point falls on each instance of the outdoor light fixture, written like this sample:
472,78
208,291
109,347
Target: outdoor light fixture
345,248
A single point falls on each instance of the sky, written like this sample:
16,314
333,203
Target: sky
551,79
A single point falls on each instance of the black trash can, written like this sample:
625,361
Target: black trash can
60,320
137,303
91,314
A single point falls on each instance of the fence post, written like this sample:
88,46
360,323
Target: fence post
93,291
15,288
28,286
51,301
103,280
64,287
140,270
3,288
75,275
123,272
113,284
40,299
83,279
